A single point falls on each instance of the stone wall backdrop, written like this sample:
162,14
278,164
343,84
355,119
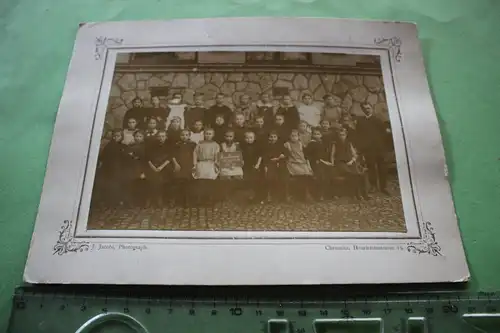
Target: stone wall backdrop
349,90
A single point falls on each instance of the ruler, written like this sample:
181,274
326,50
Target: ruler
251,311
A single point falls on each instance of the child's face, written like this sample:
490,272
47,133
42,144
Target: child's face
273,138
367,109
155,101
287,100
294,137
249,137
280,120
259,122
198,100
117,136
303,127
329,101
208,135
176,98
176,123
325,125
307,99
198,125
219,120
219,99
162,137
342,135
265,98
152,124
139,137
137,103
229,137
185,135
244,100
316,135
240,120
132,123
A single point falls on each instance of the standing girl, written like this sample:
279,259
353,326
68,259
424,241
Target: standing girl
308,112
128,133
151,132
176,110
158,171
344,156
174,131
298,166
274,160
158,112
183,168
136,170
289,112
205,166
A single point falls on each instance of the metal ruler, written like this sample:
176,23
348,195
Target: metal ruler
250,310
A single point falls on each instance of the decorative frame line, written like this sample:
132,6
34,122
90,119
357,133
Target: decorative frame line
428,244
393,44
66,243
102,43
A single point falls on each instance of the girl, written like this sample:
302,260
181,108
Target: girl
206,165
110,174
136,170
304,133
245,107
197,133
274,160
229,146
308,112
183,168
174,130
128,133
318,155
260,130
158,173
252,172
298,166
281,129
344,156
177,109
239,127
151,131
289,112
219,128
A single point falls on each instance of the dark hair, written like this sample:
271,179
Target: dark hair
306,94
273,133
131,118
137,99
139,132
116,130
229,131
259,116
177,94
279,115
152,118
329,122
364,105
294,131
162,131
327,96
249,131
316,129
185,130
198,120
199,94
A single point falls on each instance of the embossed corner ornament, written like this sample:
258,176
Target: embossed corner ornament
394,45
428,243
102,44
66,243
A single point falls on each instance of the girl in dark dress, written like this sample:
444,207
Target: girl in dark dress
151,132
265,109
253,174
183,160
281,129
110,174
318,154
135,166
158,156
274,160
344,157
260,130
174,131
158,112
290,112
219,128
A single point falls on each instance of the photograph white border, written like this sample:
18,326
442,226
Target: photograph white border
63,250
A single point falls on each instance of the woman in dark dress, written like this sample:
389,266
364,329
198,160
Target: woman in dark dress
344,157
157,112
183,160
135,166
137,112
290,112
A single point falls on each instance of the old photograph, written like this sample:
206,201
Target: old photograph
258,141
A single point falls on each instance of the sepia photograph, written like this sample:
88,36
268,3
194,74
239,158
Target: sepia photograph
247,141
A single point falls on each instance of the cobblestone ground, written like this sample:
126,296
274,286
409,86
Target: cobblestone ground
381,213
